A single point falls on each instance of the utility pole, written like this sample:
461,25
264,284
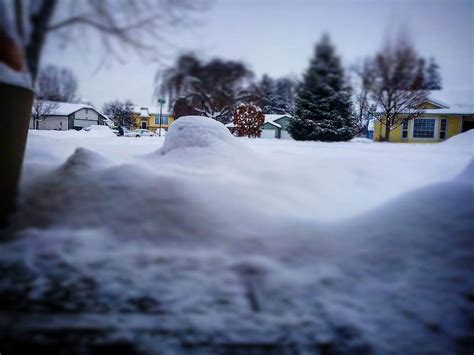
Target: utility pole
161,102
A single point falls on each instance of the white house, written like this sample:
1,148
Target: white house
61,116
275,126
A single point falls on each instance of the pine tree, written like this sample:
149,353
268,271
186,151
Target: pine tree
432,76
285,96
323,105
267,90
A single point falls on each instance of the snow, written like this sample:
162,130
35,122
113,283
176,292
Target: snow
196,131
146,111
13,77
207,243
273,117
92,131
67,108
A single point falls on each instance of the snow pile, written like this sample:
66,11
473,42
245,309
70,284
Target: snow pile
93,131
361,140
196,131
99,131
204,252
13,77
463,141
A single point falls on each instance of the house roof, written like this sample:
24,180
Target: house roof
67,108
454,110
273,117
437,102
273,124
269,118
146,111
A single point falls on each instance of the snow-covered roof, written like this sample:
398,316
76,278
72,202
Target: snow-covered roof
273,124
437,102
67,108
455,110
146,111
269,118
273,117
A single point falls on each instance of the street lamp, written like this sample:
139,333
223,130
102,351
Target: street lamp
161,102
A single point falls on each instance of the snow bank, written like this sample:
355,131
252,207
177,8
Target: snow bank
99,131
196,131
361,140
463,140
93,131
204,252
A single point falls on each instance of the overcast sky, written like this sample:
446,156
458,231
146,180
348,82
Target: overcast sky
278,36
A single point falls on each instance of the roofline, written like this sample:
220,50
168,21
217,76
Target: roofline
437,102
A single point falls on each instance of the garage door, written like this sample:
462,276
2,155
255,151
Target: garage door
285,134
84,123
268,133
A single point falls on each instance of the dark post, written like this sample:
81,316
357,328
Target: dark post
16,103
161,102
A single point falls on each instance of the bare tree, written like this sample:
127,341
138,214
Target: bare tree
210,89
41,109
120,24
56,84
397,86
362,80
121,112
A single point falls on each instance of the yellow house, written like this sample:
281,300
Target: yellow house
437,123
148,117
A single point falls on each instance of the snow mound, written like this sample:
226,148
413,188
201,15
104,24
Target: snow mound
468,173
99,131
93,131
82,160
361,140
195,131
463,140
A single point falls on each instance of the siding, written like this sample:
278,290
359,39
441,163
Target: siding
59,123
453,128
85,118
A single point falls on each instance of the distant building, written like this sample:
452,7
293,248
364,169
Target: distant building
148,117
61,116
275,126
438,122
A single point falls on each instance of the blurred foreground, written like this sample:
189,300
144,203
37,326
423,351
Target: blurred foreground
212,244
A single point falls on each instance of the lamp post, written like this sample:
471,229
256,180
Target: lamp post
161,102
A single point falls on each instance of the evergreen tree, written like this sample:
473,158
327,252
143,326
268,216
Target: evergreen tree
267,91
432,76
323,105
285,96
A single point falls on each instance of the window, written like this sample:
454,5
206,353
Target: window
164,120
424,128
405,129
443,123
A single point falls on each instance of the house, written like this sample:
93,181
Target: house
438,122
61,116
148,117
275,126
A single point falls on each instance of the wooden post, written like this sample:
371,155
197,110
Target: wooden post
16,103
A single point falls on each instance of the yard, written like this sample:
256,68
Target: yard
213,243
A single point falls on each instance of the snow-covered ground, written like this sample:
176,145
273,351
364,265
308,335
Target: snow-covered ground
207,243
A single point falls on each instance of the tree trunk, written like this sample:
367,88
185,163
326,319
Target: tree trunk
39,26
387,134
